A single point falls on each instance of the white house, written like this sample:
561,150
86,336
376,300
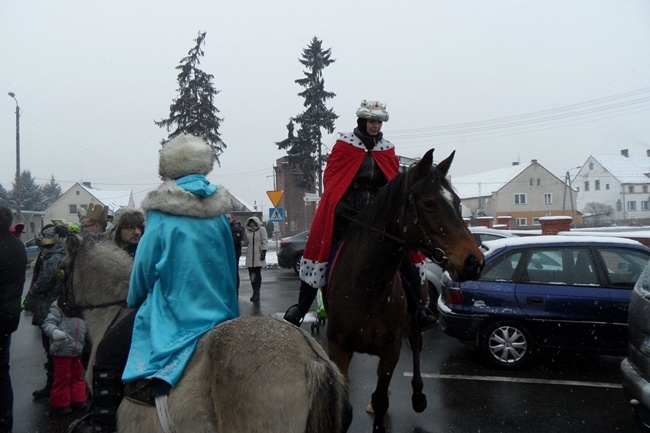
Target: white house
523,192
620,181
79,196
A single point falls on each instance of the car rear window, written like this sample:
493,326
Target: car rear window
622,266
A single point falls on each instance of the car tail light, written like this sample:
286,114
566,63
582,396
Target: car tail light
453,295
283,244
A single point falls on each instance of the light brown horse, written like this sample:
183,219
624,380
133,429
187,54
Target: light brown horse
366,306
247,375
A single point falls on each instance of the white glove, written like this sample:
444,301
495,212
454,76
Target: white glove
58,335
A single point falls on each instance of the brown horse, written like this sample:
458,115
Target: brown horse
366,306
247,375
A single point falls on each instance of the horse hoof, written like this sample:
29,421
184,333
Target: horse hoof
419,402
369,408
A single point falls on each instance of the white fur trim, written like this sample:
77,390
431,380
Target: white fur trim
172,199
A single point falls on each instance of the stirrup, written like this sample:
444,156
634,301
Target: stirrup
424,313
294,315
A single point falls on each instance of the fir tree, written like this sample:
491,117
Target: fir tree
4,196
304,148
51,192
193,112
31,197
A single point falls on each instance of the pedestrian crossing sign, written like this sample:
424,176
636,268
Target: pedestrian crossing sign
276,214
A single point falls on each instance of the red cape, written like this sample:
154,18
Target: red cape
342,165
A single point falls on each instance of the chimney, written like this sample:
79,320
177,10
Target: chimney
86,184
533,161
515,163
647,152
625,153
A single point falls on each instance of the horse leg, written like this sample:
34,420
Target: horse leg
379,399
418,399
339,356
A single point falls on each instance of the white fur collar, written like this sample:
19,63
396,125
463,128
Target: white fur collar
172,199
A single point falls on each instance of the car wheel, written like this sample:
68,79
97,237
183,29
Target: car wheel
506,343
296,265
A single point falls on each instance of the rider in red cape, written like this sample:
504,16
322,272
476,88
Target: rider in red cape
351,180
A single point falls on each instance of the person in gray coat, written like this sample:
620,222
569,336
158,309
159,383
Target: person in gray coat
257,241
67,337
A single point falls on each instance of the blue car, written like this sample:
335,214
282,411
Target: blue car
545,294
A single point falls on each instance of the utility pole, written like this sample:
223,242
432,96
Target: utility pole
20,217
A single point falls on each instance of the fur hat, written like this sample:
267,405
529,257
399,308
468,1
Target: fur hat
183,155
372,110
97,212
125,218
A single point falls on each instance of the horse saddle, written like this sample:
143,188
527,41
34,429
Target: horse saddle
145,391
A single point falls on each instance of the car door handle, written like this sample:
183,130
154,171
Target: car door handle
533,300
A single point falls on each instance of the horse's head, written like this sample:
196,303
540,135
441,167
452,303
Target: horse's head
96,272
434,222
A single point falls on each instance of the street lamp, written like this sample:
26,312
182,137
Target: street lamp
20,217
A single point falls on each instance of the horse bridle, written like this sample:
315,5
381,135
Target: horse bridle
436,254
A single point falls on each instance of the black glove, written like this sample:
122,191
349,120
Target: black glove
343,210
263,255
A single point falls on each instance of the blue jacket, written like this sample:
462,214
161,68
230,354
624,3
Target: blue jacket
183,281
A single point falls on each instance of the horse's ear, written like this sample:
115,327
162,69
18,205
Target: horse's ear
424,165
443,166
72,244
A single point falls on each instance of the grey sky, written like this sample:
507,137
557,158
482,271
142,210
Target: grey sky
91,77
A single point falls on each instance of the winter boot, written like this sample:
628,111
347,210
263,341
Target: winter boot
422,317
296,313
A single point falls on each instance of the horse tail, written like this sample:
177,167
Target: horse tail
330,410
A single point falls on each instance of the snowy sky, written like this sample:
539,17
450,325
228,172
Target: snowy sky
497,81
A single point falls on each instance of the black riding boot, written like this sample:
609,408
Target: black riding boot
108,390
296,313
422,317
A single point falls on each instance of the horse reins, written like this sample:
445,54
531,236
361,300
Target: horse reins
432,250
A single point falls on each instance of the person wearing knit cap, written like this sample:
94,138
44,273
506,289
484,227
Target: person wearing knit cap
17,229
183,283
127,229
361,162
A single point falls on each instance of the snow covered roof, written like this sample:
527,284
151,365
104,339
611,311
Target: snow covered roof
484,184
115,199
631,169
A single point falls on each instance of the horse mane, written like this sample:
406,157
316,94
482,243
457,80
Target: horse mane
383,206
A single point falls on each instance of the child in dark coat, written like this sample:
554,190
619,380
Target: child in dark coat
67,336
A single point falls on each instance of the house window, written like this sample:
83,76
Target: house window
77,192
586,185
630,189
619,206
631,205
520,198
535,221
597,185
645,205
521,221
539,181
591,166
645,188
73,209
606,186
548,198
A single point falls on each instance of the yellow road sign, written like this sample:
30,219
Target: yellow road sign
275,197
